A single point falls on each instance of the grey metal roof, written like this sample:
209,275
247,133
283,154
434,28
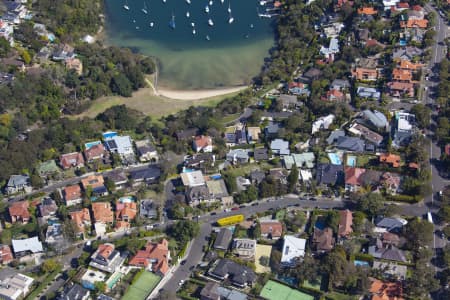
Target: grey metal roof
18,180
239,274
376,118
223,239
350,143
330,174
334,135
74,292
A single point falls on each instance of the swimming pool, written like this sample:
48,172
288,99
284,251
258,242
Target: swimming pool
109,135
334,158
351,161
361,263
90,144
127,199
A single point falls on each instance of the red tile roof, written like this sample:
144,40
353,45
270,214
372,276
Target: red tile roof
391,159
105,250
70,160
95,152
353,176
202,141
92,181
80,218
413,23
386,290
19,211
274,228
367,11
102,212
126,211
345,223
6,255
447,149
157,252
72,192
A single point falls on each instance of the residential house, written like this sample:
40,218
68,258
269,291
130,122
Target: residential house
253,134
202,143
94,152
155,257
366,74
63,52
14,285
82,220
244,248
239,275
146,151
71,160
223,239
72,195
102,212
26,246
340,85
212,291
312,74
125,210
364,132
121,145
402,75
374,119
238,156
74,291
389,224
95,184
353,178
106,258
302,160
288,101
391,182
334,136
235,135
329,174
119,178
186,134
200,161
75,64
323,240
331,50
334,95
257,176
391,270
299,89
148,175
47,208
271,229
271,130
384,251
392,160
148,209
345,223
54,235
18,183
47,168
333,30
414,23
367,10
91,277
278,174
368,93
6,255
408,65
389,4
293,250
322,123
406,53
18,212
352,144
260,154
381,290
217,188
399,89
280,147
404,129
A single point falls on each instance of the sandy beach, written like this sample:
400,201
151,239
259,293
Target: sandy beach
197,94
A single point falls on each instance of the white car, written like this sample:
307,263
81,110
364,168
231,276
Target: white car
181,282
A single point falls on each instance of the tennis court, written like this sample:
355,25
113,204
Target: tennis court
276,291
142,287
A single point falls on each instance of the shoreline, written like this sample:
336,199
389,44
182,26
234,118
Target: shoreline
197,94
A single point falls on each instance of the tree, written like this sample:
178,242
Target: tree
264,260
5,47
421,282
183,231
371,203
418,233
49,265
121,85
100,286
70,230
293,178
332,220
26,57
423,115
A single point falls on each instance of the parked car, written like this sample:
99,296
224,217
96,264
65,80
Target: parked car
235,208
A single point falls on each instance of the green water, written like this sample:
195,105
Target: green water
232,56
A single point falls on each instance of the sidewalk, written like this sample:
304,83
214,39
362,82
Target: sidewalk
169,275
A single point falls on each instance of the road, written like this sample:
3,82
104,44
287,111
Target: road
74,180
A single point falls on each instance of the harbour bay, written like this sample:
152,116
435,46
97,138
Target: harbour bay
233,54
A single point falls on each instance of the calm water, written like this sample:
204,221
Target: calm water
232,56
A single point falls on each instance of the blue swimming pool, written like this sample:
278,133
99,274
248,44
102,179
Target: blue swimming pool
361,263
334,158
90,144
109,135
351,161
127,199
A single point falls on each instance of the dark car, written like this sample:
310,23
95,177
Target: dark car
213,213
312,199
235,208
183,262
242,206
255,204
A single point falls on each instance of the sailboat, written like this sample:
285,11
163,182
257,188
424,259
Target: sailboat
193,31
188,14
144,10
210,22
188,1
164,1
210,3
229,7
222,1
172,22
193,24
152,24
207,38
125,6
230,19
207,9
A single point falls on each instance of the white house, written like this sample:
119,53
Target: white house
293,249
